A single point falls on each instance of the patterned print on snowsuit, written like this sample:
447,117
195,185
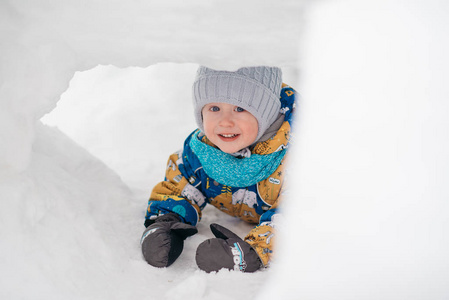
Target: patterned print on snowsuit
187,187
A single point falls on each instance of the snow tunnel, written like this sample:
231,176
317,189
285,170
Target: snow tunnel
368,213
72,215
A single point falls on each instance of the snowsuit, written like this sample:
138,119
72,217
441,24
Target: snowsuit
187,188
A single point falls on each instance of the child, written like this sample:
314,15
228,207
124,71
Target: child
234,161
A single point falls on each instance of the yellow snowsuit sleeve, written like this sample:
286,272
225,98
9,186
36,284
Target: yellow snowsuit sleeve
175,194
262,237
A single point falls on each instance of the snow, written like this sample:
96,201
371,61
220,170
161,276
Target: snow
367,215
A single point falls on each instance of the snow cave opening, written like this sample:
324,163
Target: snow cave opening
129,118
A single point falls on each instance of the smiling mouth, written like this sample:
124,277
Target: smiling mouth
228,137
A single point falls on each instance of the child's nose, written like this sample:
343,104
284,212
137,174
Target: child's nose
226,120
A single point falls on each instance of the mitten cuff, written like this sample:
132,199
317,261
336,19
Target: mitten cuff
168,217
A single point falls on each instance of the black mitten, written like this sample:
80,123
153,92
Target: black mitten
162,242
227,251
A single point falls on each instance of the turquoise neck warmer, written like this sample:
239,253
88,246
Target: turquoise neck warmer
231,171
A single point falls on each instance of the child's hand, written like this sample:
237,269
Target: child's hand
227,251
163,241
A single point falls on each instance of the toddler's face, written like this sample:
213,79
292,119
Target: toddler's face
229,127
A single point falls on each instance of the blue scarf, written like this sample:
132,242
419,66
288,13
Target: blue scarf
232,171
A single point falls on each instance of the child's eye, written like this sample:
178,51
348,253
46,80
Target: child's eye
239,109
214,108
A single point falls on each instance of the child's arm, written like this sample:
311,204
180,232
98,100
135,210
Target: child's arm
261,237
176,194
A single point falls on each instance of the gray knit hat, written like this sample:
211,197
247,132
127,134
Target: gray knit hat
255,89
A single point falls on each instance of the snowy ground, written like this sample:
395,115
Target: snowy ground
368,216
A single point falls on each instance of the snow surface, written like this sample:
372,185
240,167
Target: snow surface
367,217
